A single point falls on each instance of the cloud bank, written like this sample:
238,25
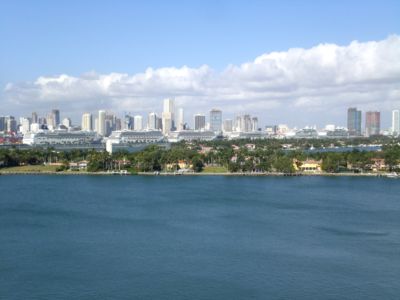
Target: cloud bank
304,85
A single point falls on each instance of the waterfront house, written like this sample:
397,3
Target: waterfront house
308,166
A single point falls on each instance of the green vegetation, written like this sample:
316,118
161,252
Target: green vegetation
32,169
218,156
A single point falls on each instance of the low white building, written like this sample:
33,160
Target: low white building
191,135
45,138
130,138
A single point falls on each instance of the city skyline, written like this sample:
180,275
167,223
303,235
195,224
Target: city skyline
209,54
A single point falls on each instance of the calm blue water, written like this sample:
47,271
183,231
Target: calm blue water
89,237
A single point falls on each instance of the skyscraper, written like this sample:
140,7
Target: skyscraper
101,126
56,117
254,124
372,123
87,122
180,122
128,122
152,121
34,117
395,122
199,122
168,115
138,126
67,122
354,121
228,125
215,120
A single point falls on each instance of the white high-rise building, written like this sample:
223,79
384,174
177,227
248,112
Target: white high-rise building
67,122
180,122
138,123
87,122
25,125
395,122
169,114
152,121
101,126
254,124
166,122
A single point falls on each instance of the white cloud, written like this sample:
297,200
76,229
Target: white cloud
323,81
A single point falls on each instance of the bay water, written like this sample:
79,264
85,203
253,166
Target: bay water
203,237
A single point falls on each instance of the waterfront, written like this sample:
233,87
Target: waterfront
220,237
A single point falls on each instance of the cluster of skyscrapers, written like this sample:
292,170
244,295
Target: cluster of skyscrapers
172,121
372,122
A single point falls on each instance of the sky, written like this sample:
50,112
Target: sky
293,62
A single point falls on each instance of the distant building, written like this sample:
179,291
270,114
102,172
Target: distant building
354,121
395,122
67,122
128,140
138,123
215,120
128,123
168,116
254,124
10,124
372,123
56,117
25,124
191,135
87,122
3,124
59,138
228,125
35,118
199,122
180,120
152,121
101,120
243,123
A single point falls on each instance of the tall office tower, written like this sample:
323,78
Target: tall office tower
56,117
50,121
138,123
2,123
180,120
42,121
199,122
395,122
166,122
354,121
101,126
243,123
67,122
228,125
159,123
11,124
152,121
215,120
169,109
35,118
118,124
25,124
87,122
128,122
372,123
254,124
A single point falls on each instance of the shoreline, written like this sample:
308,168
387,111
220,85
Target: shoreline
82,173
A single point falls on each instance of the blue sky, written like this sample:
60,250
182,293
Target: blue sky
47,38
